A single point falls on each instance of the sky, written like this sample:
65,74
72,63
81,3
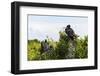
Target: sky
41,26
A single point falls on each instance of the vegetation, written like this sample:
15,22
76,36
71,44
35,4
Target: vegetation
59,49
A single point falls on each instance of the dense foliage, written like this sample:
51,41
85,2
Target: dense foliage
58,49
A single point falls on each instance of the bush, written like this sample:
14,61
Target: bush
59,49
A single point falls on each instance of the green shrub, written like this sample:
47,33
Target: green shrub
59,49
